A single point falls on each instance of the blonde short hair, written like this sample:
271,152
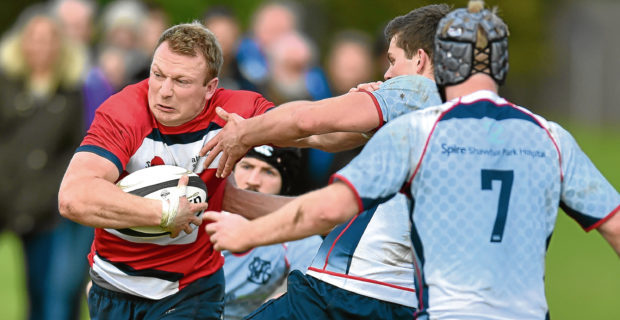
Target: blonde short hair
194,38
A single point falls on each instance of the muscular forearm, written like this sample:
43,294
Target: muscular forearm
279,126
88,197
316,212
291,222
251,204
103,205
353,112
332,142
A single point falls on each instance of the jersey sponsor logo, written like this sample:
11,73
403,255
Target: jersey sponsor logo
448,150
260,271
195,160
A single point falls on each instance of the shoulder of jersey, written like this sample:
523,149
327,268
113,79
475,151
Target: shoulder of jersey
131,102
241,102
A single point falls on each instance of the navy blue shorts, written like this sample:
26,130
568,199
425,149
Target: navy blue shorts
202,299
310,298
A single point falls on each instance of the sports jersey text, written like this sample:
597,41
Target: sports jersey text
506,152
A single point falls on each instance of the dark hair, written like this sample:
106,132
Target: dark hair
286,160
416,30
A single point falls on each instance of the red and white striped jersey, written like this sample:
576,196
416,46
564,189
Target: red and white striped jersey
125,132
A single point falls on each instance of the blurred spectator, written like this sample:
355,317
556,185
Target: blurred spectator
380,48
221,21
294,75
155,22
40,126
113,64
349,62
76,18
104,79
122,54
293,70
122,22
271,21
125,55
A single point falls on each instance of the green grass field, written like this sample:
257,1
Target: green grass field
583,272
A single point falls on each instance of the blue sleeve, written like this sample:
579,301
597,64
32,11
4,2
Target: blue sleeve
404,94
586,195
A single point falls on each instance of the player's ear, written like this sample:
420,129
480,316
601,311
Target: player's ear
423,61
211,87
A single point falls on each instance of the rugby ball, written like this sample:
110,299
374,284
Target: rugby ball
157,182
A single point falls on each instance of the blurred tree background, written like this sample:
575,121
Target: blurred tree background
563,65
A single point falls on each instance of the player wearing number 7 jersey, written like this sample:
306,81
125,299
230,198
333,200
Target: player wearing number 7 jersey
485,178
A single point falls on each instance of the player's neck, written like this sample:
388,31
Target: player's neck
475,83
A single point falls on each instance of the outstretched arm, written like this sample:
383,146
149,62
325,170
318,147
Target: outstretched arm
352,112
337,141
316,212
332,142
250,204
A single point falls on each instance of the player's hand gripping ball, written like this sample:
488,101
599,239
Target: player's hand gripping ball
160,183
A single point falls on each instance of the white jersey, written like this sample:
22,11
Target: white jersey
372,254
485,179
253,276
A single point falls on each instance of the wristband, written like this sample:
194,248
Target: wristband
170,207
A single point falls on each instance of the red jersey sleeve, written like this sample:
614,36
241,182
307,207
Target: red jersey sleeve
247,104
261,105
120,125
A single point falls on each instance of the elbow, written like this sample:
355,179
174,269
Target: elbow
337,204
68,205
65,205
327,220
332,217
323,209
329,215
